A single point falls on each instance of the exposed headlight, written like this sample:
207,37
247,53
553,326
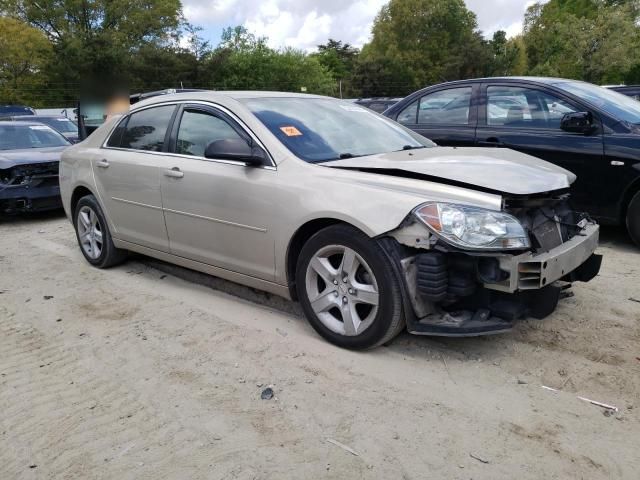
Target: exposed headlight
472,227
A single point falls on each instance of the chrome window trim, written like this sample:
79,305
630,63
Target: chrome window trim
223,109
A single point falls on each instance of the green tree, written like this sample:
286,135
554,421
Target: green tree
338,57
593,40
509,55
93,41
425,41
24,51
243,61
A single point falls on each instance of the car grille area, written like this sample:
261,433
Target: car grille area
550,222
29,188
34,175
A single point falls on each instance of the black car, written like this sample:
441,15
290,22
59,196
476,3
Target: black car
29,158
632,91
16,110
377,104
60,123
592,131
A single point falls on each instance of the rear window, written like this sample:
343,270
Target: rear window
61,124
144,130
18,137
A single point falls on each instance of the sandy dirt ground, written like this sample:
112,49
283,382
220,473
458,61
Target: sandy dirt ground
137,373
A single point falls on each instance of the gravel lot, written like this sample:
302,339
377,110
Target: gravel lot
136,373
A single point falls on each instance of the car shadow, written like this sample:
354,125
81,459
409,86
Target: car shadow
486,347
617,237
31,217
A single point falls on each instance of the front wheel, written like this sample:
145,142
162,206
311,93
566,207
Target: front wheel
633,219
93,234
348,289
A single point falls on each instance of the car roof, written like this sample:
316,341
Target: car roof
545,80
217,95
34,117
24,123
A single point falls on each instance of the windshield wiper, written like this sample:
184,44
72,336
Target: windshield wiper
346,155
412,147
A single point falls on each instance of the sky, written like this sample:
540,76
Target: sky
304,24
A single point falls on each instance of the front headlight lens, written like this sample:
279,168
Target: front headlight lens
472,227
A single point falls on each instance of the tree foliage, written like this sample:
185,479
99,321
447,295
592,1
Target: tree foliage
426,40
24,51
593,40
48,48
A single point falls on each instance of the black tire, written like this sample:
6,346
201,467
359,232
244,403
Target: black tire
389,319
109,255
633,219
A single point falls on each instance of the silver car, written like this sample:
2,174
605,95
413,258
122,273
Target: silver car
368,225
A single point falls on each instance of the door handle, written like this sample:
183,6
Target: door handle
175,172
491,142
104,163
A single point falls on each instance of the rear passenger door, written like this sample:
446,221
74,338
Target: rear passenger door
446,116
527,118
127,173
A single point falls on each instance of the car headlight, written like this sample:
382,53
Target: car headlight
472,227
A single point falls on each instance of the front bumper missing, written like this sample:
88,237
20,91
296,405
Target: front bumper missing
30,188
20,198
529,289
530,271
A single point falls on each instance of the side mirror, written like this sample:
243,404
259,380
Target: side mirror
236,149
577,122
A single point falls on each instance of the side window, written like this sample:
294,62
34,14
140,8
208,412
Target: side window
146,129
115,140
446,107
525,107
409,114
198,129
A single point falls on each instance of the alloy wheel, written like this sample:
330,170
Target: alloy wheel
89,232
342,290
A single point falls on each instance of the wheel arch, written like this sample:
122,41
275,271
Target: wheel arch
298,240
628,195
78,192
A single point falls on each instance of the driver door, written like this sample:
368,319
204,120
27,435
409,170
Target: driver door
217,211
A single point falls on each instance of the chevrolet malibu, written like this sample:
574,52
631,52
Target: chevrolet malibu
371,227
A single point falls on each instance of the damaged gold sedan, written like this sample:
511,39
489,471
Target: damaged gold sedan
370,226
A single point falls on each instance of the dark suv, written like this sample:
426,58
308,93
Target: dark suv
592,131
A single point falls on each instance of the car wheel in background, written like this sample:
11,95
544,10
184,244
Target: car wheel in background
348,289
93,234
633,218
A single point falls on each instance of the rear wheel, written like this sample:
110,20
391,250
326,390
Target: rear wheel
633,218
93,235
348,289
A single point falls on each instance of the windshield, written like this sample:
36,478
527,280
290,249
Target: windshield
61,124
17,137
615,104
323,129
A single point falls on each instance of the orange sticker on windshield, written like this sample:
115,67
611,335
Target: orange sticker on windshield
291,131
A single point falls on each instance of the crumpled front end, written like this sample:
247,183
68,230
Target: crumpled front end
29,188
456,292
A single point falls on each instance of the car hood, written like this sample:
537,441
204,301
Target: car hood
71,136
11,158
497,170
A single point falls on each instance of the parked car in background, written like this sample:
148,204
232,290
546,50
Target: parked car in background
16,110
367,223
29,159
378,104
59,123
589,130
632,91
